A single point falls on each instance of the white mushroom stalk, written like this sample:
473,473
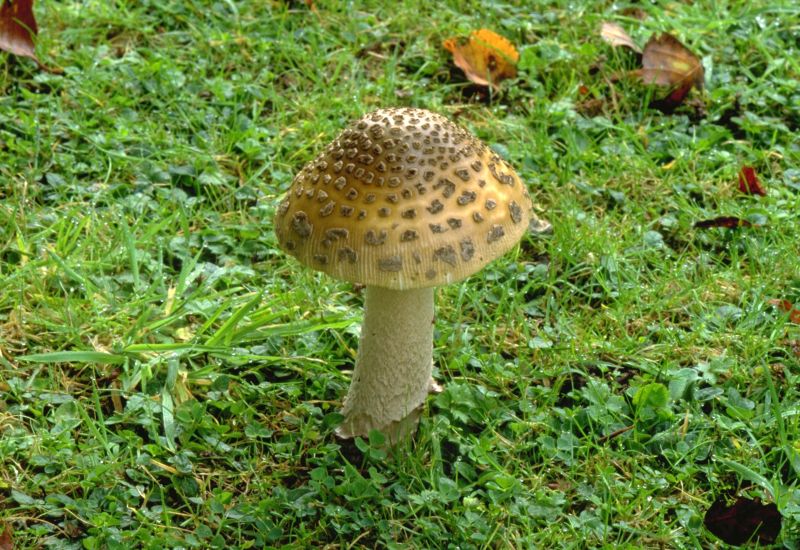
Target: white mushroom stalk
402,201
392,376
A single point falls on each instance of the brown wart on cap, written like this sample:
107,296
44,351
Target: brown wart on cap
434,205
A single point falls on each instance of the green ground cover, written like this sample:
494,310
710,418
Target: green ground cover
170,378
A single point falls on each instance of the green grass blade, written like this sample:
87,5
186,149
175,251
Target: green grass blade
75,357
226,332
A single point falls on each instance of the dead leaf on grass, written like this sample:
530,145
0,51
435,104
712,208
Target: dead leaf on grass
485,57
743,520
666,62
6,540
614,34
748,182
18,27
731,222
787,307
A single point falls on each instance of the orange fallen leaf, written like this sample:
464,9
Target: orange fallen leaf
748,182
787,307
18,27
614,34
485,57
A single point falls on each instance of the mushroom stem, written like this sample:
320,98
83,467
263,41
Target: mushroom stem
392,376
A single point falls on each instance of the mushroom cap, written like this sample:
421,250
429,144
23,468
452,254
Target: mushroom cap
403,198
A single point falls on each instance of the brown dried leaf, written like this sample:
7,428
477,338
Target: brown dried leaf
614,34
787,307
748,182
730,222
18,27
485,57
6,540
743,520
667,62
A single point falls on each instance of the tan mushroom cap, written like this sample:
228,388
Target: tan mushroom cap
403,198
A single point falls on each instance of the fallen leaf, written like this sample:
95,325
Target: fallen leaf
6,540
667,62
748,182
787,307
18,27
723,221
743,520
485,57
614,34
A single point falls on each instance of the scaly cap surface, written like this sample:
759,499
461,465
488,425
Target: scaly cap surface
403,198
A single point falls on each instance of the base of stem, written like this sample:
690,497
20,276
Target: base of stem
392,376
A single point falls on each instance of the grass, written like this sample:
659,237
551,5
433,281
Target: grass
170,378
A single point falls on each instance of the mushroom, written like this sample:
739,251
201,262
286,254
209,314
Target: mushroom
402,201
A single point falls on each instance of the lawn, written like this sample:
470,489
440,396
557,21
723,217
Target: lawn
169,377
